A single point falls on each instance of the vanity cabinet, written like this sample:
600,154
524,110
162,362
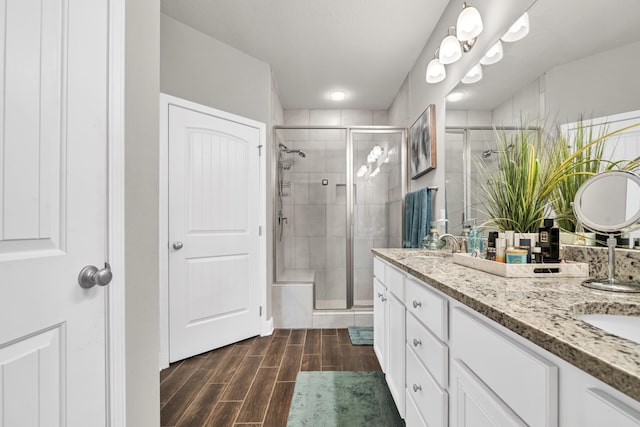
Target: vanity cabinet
463,369
389,328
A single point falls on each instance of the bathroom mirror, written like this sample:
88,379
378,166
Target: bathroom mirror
610,203
556,74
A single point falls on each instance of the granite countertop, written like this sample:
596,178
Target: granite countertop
544,311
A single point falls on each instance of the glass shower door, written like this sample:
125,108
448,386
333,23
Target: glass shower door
311,231
376,205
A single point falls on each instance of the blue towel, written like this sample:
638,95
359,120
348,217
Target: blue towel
418,216
408,219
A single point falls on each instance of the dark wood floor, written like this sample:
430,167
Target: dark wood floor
251,383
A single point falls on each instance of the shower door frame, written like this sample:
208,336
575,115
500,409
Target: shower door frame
350,201
466,155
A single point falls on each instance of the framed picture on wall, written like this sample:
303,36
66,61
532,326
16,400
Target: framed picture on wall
422,143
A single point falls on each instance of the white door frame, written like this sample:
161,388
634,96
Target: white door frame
266,325
115,334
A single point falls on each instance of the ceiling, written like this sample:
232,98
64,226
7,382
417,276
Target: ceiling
561,32
367,47
364,47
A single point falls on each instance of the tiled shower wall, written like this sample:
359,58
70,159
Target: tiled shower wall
314,237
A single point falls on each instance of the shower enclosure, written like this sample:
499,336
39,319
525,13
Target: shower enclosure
338,193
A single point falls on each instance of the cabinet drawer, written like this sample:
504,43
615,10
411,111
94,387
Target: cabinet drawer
602,409
431,352
413,417
378,269
428,307
525,381
395,281
431,400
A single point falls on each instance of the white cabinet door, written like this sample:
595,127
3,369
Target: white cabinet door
214,286
396,351
380,322
474,404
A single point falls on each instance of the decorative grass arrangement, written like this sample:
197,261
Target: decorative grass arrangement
536,174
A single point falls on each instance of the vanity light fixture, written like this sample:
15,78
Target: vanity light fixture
459,39
450,49
377,151
474,75
493,55
362,171
518,30
338,95
468,26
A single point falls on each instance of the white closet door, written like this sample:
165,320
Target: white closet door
214,289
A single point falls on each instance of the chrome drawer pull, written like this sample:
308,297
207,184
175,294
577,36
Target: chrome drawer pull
416,342
416,304
383,299
379,294
417,388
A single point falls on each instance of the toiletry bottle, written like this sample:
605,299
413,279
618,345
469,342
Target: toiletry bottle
491,245
432,240
500,249
549,241
475,239
441,224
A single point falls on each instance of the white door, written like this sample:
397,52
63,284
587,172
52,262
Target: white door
53,192
214,291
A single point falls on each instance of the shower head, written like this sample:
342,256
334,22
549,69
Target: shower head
488,153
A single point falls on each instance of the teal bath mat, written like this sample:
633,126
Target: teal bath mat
361,335
342,399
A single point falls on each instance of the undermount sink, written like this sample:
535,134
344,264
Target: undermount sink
622,320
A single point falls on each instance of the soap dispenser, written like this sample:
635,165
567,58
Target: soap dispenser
432,240
475,239
441,223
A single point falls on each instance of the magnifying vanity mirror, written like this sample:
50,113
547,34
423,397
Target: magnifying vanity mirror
610,203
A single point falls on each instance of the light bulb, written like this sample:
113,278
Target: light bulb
493,55
474,75
469,24
435,71
450,49
338,95
377,151
518,30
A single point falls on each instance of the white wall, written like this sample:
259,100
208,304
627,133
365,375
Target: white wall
199,68
142,85
596,86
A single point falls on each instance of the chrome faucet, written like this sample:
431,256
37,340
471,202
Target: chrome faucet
457,244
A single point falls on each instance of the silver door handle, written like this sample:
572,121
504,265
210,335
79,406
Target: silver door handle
177,245
90,276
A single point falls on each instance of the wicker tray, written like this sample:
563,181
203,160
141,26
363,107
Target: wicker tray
568,269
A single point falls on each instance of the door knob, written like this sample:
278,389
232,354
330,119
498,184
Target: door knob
90,276
177,245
